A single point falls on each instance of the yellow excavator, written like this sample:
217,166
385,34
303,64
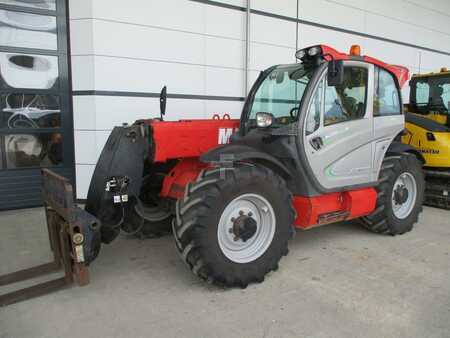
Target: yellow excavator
428,129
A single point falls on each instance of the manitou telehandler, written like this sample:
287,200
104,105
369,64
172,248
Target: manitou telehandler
316,143
428,125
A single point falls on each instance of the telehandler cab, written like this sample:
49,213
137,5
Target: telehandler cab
311,148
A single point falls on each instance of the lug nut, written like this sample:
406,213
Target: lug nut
230,230
265,209
250,214
233,219
235,238
241,212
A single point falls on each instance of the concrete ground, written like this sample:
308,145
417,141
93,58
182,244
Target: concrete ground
337,281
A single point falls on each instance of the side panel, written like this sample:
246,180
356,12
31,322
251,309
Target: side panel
181,139
333,207
385,128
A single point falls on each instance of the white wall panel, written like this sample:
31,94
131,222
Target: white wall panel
433,62
392,53
281,7
263,56
83,72
115,110
224,82
84,175
85,146
118,39
240,3
84,112
311,35
224,52
332,14
122,74
80,9
224,22
173,14
274,31
81,37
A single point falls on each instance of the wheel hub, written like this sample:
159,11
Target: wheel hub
404,195
244,227
401,194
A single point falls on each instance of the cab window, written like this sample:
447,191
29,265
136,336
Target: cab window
386,100
347,102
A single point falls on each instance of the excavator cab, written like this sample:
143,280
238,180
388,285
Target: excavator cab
428,130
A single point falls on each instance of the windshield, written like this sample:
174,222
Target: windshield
280,93
433,93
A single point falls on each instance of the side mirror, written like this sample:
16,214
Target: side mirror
163,101
335,73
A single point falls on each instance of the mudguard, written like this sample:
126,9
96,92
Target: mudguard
398,147
230,153
123,156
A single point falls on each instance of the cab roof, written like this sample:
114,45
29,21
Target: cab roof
329,53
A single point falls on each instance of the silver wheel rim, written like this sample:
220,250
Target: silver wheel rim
407,181
262,212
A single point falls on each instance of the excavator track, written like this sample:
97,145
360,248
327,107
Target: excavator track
437,191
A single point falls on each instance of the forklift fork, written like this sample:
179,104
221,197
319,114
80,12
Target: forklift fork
74,240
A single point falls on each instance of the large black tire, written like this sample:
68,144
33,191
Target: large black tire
383,220
195,227
150,217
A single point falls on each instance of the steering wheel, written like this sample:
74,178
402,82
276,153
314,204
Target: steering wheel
291,112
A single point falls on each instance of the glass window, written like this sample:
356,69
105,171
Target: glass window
29,111
313,117
28,71
42,4
27,30
280,93
347,101
445,96
386,99
422,93
33,150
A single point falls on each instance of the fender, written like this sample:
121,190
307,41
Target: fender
231,153
398,147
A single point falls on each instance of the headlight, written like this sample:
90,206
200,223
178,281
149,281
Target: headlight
313,51
264,120
300,54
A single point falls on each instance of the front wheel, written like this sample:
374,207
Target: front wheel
400,196
233,225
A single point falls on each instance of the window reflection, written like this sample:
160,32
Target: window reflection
43,4
27,30
33,150
30,111
28,71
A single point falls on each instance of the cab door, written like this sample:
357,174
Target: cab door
338,131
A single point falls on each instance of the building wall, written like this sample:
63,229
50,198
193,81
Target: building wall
123,52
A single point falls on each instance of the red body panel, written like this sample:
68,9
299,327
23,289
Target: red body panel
187,170
189,138
402,73
311,211
333,207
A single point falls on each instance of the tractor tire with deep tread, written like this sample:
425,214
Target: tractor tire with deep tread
384,220
199,217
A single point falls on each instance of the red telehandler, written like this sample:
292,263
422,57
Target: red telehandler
317,143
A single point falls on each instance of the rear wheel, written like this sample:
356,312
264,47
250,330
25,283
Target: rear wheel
233,225
149,216
400,196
